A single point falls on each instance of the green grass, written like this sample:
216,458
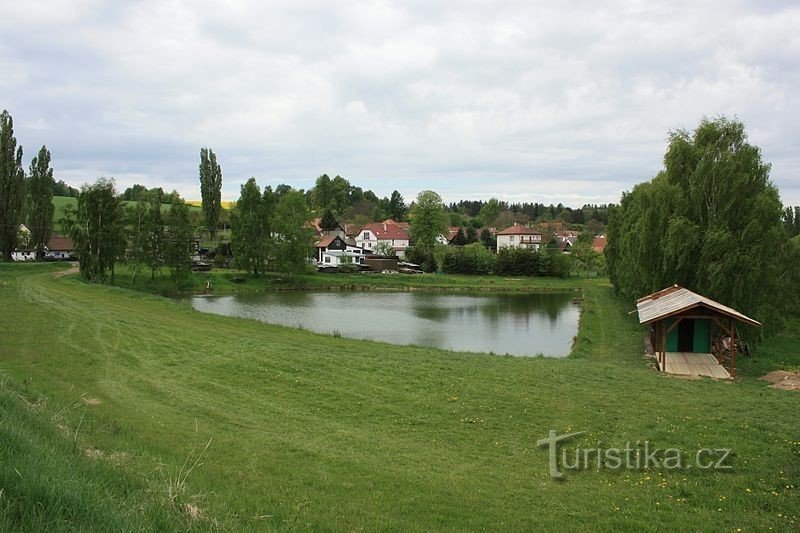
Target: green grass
315,432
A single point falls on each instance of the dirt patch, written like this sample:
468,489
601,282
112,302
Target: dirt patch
93,453
73,269
783,380
193,512
91,401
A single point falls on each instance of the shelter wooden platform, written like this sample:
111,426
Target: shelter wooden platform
692,364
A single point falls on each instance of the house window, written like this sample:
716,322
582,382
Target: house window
327,259
511,238
367,236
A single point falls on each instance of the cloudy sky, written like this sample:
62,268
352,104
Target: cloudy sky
541,101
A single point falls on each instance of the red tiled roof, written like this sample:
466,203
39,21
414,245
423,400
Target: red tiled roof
519,229
599,243
386,231
326,241
60,243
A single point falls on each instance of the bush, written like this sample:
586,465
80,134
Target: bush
471,259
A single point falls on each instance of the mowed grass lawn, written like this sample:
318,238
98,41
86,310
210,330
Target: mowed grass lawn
311,431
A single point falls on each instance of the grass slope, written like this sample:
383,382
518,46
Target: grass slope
311,431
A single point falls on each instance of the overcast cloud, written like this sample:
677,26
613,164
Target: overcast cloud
525,101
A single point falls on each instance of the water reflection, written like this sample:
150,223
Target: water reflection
512,323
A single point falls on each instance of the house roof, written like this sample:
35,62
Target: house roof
386,231
676,299
59,243
599,243
402,225
326,241
519,229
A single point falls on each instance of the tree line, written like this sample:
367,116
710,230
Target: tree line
710,221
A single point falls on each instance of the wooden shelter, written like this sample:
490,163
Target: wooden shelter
683,325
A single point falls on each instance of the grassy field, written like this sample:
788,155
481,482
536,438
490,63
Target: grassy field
309,431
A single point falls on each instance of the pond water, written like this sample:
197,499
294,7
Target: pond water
521,324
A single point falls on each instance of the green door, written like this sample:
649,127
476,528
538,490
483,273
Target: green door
702,337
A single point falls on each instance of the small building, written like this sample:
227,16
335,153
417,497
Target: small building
519,236
59,247
683,328
333,250
599,243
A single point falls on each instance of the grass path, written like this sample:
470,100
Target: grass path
311,431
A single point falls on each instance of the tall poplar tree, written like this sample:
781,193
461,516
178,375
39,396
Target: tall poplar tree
40,200
12,186
210,189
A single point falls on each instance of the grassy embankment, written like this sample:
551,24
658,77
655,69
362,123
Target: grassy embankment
311,431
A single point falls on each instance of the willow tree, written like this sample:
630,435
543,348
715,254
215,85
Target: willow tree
97,227
12,186
210,189
710,221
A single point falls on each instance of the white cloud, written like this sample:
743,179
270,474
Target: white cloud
523,100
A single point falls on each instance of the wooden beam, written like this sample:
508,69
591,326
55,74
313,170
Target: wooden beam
732,370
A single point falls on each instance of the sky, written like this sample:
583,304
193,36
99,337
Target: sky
567,101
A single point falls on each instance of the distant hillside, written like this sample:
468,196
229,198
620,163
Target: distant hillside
61,202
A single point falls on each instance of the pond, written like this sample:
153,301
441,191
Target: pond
521,324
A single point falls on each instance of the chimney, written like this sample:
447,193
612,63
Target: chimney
384,227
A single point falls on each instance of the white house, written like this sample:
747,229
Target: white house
333,249
388,232
519,236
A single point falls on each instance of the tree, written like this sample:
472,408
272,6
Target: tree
397,207
384,248
40,200
328,221
460,239
250,234
210,189
490,211
136,216
97,229
710,221
472,235
178,245
429,220
293,237
12,186
488,240
153,245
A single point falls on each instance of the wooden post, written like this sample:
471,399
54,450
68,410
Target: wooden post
732,350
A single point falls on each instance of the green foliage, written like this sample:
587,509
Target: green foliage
711,221
178,242
488,240
530,262
293,237
12,186
328,221
210,189
428,220
251,236
490,211
384,248
40,200
97,229
397,209
471,259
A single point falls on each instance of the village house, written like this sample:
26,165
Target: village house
519,236
389,232
333,250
